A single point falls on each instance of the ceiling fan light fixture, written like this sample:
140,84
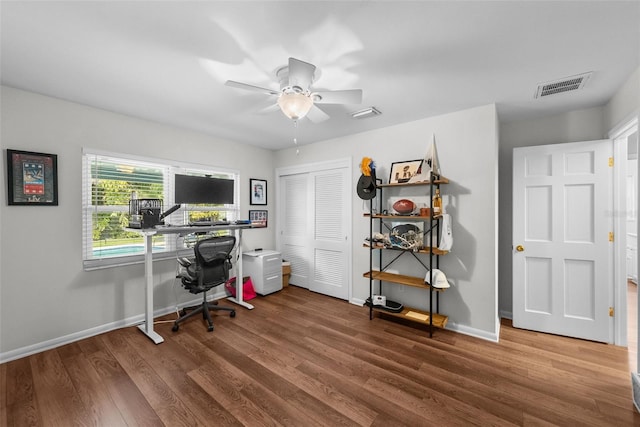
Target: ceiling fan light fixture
295,105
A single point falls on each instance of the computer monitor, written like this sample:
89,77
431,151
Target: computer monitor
203,189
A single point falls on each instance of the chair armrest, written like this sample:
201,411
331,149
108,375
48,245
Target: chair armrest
185,262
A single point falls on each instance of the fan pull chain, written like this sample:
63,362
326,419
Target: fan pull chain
295,136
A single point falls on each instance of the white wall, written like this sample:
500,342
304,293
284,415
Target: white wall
625,102
46,296
467,144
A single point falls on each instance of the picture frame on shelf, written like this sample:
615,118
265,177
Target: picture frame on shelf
257,191
402,172
259,217
32,178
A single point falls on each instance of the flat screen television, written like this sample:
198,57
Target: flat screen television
203,189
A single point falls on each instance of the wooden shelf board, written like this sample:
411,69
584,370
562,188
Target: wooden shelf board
435,251
403,217
441,180
418,316
401,279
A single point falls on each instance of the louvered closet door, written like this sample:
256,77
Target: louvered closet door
295,233
329,254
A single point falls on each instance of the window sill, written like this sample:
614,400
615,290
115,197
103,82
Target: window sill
99,264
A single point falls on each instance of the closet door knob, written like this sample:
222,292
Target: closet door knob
520,248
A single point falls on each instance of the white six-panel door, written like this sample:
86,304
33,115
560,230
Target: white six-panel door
562,254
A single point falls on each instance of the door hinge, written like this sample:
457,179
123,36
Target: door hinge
611,236
610,162
611,312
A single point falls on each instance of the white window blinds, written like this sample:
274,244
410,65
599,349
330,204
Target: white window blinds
108,183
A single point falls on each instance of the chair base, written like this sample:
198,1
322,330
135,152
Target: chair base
203,308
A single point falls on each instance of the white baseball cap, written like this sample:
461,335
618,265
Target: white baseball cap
439,279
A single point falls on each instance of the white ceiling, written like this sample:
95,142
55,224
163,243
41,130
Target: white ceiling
168,61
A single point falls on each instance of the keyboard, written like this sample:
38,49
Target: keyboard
208,223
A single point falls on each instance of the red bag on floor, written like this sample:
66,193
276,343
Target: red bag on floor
247,288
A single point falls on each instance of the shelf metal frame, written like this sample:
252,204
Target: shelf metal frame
434,253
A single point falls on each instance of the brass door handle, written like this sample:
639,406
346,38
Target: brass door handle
520,248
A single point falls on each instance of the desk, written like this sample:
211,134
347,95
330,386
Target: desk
148,233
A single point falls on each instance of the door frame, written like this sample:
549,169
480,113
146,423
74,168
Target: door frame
619,290
311,168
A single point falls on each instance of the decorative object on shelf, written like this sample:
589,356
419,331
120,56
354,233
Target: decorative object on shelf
431,164
446,235
402,172
366,187
419,202
376,240
259,217
379,300
258,191
32,178
404,207
406,237
390,306
437,203
439,279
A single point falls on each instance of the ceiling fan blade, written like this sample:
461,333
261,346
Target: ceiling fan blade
352,96
300,73
316,115
269,109
239,85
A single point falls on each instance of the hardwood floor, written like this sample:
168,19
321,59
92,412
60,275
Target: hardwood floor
302,359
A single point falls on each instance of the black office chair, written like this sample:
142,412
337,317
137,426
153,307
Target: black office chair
210,268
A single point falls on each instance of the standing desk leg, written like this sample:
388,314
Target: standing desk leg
147,326
239,278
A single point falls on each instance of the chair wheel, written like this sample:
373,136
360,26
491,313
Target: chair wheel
175,327
232,314
210,328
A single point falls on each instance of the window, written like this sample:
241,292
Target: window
108,183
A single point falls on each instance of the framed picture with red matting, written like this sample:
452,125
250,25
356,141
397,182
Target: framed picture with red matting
32,178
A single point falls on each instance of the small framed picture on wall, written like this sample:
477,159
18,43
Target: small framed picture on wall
32,178
258,191
259,217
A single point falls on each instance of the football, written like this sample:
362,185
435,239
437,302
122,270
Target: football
404,206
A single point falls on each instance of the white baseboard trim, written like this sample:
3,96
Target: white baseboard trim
506,315
357,301
88,333
452,326
473,332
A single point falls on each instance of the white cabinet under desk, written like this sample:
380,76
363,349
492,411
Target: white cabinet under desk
265,269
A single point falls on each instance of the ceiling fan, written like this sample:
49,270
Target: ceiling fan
296,98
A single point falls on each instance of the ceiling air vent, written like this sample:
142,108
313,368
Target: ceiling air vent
367,112
563,85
